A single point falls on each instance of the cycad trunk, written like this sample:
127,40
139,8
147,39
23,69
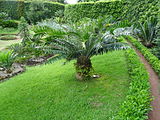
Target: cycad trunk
83,68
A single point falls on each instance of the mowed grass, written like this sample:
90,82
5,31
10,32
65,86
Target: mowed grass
51,92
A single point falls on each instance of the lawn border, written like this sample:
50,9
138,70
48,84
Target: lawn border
152,59
137,103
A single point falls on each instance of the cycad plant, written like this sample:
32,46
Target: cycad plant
70,42
147,31
6,60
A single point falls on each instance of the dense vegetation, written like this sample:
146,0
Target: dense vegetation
96,77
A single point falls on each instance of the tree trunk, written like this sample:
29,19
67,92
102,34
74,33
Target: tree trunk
83,68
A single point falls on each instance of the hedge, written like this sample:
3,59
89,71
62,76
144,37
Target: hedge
16,9
152,59
141,9
78,11
9,23
133,10
137,103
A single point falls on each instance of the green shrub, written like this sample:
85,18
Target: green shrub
38,11
140,10
147,31
17,9
78,11
9,23
3,16
7,59
137,103
152,59
14,9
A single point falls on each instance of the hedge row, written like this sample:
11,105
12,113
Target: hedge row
132,10
16,9
152,59
137,103
78,11
141,9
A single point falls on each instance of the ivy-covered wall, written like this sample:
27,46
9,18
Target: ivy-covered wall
78,11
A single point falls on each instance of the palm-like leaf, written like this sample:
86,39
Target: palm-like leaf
72,42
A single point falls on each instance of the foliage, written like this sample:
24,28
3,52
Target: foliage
147,31
156,49
27,51
3,16
7,59
93,10
17,9
14,9
43,10
9,23
137,103
37,12
153,60
24,31
88,0
71,43
140,10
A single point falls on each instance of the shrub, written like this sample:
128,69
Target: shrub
152,59
147,31
9,23
137,103
140,10
78,11
7,59
43,10
17,9
14,9
3,16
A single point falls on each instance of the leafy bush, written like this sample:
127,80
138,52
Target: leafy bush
137,103
17,9
78,11
3,16
152,59
14,9
140,10
24,31
9,23
7,59
147,31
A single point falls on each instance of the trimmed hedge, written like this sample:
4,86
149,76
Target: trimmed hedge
78,11
137,103
37,11
152,59
16,9
13,8
141,10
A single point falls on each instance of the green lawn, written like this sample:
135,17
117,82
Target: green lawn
6,43
51,92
